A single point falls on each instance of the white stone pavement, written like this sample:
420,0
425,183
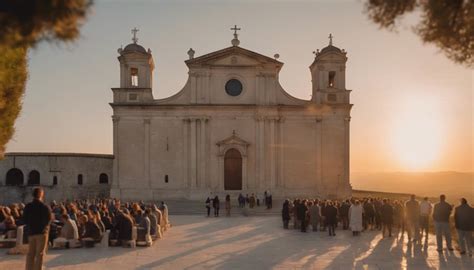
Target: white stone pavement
197,242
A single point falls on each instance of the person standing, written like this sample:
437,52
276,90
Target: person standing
216,204
464,222
208,206
227,205
241,200
315,215
412,212
37,217
344,212
285,214
252,201
441,213
425,213
386,214
301,214
331,218
355,218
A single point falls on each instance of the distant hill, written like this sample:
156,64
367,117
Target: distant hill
431,184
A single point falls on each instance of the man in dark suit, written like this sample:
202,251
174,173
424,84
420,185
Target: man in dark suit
301,214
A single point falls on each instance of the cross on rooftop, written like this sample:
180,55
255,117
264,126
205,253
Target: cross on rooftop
330,39
134,32
235,29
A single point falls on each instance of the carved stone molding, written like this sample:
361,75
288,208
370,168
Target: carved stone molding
233,141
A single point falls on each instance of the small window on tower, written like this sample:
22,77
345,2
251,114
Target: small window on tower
166,179
332,78
134,76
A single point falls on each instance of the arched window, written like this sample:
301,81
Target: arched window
14,177
34,178
166,179
134,77
103,178
79,179
55,180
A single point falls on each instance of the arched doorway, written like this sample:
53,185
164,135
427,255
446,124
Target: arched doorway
34,178
14,177
232,170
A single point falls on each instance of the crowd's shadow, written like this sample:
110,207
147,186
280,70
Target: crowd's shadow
85,255
270,246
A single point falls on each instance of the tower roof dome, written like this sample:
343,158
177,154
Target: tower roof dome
134,47
331,48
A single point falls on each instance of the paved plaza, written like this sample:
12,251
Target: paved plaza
196,242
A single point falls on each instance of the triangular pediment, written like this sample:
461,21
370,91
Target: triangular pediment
233,56
233,140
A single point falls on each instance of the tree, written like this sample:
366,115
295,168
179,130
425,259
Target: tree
448,24
24,23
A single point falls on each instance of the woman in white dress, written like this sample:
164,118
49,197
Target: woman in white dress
355,218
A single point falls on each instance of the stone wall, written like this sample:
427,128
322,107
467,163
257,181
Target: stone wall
59,175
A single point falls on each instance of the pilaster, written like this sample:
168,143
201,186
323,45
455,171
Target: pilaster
146,151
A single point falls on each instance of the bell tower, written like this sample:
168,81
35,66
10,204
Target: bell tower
328,73
136,65
136,73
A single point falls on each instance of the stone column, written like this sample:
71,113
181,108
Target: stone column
186,180
319,155
281,148
272,153
259,153
203,153
146,152
192,151
347,121
262,153
115,177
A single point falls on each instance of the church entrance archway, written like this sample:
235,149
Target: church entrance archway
232,170
14,177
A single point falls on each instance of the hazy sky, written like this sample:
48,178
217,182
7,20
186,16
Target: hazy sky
413,108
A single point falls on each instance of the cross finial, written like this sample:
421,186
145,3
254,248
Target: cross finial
235,29
330,39
134,32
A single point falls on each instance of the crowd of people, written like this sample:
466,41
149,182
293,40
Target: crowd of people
359,215
80,223
251,201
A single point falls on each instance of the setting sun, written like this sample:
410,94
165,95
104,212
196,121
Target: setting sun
417,134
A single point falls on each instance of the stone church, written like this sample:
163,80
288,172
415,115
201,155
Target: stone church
231,129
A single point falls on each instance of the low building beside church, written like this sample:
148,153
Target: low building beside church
62,175
231,129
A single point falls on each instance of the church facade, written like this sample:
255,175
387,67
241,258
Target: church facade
231,129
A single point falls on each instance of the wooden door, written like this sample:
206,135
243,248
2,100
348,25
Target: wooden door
232,170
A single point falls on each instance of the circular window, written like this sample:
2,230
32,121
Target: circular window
233,87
